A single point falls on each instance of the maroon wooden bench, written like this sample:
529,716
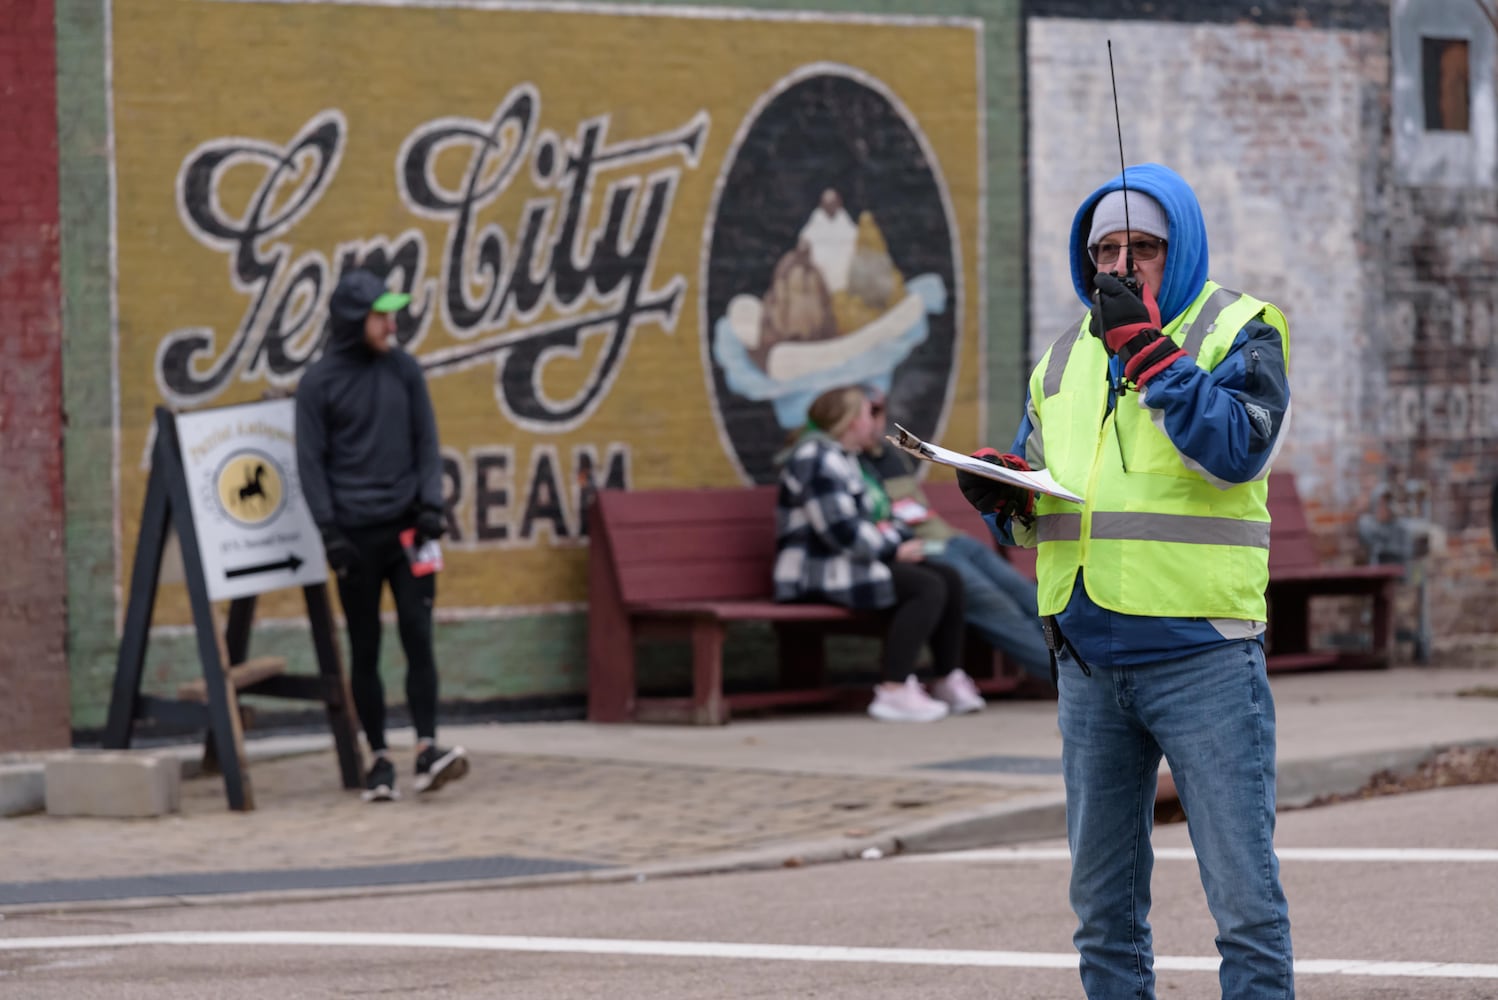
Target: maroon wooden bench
1296,575
686,564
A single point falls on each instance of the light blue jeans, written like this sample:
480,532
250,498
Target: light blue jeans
1212,716
1001,603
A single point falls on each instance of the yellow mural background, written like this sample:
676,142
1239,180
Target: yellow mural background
189,72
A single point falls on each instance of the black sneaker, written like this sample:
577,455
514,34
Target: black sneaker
379,783
436,766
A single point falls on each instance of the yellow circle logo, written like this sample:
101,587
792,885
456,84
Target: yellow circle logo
250,488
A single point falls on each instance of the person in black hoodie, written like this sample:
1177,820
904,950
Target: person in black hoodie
367,454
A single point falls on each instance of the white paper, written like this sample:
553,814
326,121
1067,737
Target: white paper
1040,480
910,511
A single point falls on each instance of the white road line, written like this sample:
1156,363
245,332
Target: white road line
719,949
1400,855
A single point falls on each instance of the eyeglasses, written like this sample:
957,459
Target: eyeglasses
1106,253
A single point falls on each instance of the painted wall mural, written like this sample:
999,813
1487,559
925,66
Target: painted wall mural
637,244
801,301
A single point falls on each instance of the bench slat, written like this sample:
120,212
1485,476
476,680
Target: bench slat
693,542
622,508
746,610
705,580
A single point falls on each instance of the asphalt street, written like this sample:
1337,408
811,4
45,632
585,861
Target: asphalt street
1390,898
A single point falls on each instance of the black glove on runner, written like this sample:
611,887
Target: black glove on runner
343,558
430,524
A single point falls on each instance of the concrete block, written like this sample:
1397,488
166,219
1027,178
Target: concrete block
113,783
22,788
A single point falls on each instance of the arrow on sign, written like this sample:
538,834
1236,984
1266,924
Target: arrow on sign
291,562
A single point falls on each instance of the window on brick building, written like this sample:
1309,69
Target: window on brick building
1446,84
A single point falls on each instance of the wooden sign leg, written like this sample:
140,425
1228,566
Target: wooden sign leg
335,689
124,703
237,631
223,702
236,649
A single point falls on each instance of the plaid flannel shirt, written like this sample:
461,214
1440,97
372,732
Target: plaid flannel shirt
829,547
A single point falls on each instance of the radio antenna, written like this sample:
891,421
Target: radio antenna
1122,170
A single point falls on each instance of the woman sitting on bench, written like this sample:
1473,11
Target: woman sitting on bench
838,544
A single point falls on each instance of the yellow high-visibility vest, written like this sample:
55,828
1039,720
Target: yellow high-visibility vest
1154,536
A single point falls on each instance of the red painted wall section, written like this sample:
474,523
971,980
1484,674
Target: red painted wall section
34,692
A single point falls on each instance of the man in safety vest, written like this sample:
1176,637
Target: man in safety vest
1163,407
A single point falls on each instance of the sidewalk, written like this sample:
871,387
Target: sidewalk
571,801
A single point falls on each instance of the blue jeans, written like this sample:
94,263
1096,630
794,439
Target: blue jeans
1212,716
1000,603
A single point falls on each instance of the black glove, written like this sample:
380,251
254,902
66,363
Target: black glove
1127,320
343,559
430,524
990,496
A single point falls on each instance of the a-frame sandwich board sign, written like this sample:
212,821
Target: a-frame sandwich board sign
230,495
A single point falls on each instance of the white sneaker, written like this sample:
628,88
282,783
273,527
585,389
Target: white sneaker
907,703
959,692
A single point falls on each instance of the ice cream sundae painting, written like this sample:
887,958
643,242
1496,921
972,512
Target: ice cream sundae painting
833,258
837,311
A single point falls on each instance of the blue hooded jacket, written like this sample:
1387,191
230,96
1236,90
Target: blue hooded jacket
1186,259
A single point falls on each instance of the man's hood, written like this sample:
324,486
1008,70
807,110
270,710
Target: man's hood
346,339
1186,255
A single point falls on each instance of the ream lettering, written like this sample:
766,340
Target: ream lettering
489,506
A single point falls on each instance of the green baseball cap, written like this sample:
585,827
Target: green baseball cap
390,302
360,292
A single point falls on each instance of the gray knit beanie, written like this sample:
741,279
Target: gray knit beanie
1145,216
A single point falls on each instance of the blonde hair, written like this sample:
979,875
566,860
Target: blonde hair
832,411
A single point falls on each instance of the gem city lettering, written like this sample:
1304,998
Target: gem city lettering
514,298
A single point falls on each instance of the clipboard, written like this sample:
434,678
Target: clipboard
1040,480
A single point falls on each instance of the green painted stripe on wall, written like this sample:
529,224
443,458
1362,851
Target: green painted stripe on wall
88,439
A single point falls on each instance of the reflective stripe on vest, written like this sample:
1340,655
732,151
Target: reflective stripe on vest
1155,538
1141,527
1058,527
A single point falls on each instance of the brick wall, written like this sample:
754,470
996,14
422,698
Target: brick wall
1430,234
34,709
1432,409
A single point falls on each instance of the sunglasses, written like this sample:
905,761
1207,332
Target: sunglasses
1106,253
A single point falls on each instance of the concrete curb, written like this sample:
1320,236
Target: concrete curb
1010,822
1301,782
23,785
23,788
1037,817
